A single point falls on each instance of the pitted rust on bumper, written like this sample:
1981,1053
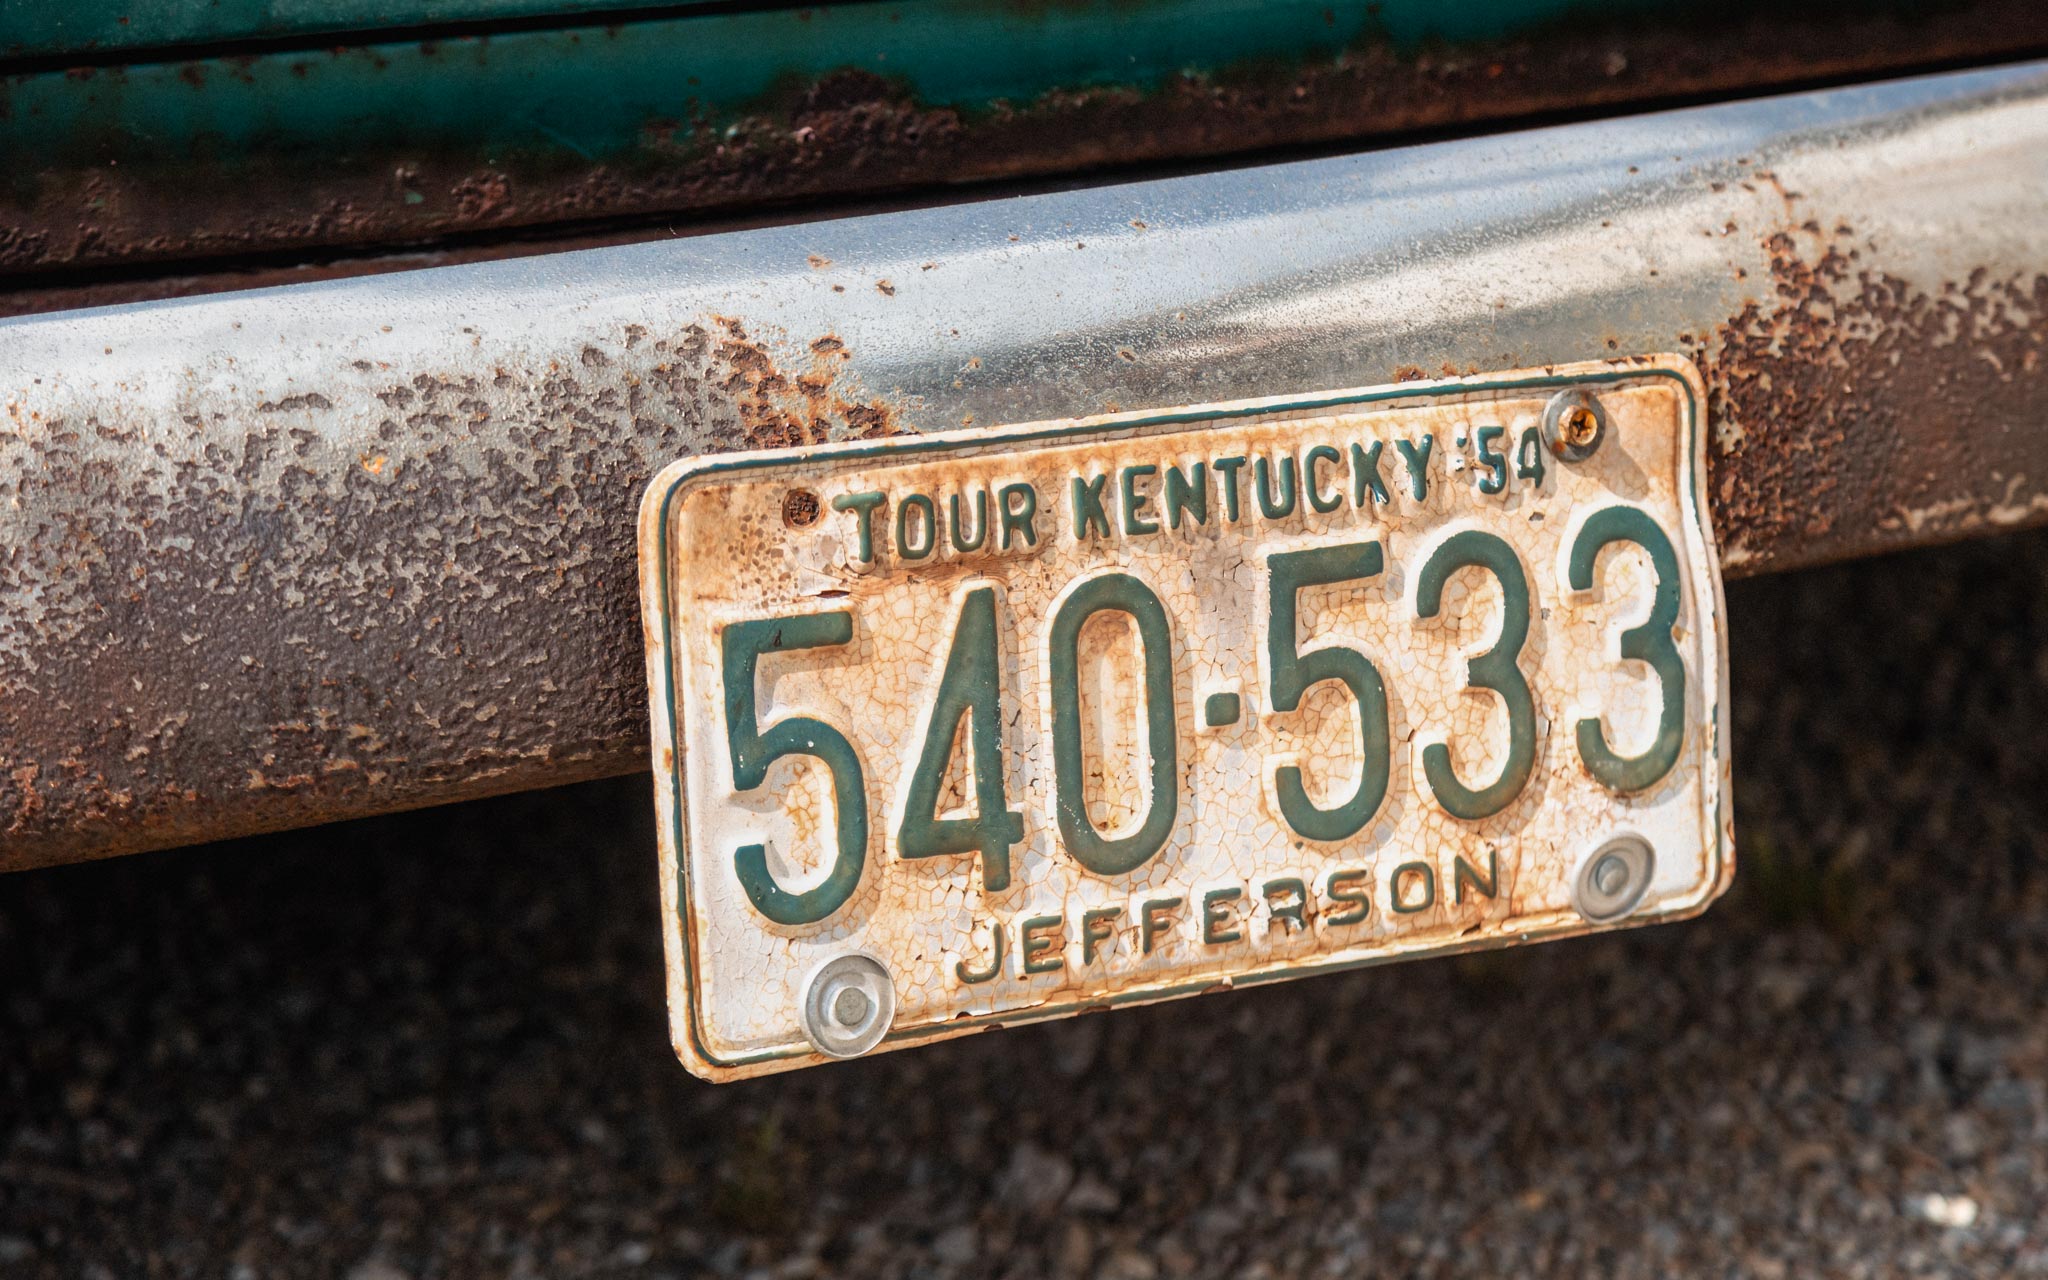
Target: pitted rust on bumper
1857,411
302,554
210,637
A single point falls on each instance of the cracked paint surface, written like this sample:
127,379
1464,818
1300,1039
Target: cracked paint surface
1217,904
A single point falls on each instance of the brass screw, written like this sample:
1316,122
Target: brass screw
1578,426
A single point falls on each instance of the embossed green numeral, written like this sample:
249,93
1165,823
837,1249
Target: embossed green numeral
971,686
1293,673
1652,642
1119,592
741,648
1497,669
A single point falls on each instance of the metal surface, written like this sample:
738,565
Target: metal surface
1613,878
401,138
287,556
848,1004
81,26
1191,699
41,28
1574,425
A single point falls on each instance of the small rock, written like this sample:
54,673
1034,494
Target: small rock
1035,1179
957,1246
1782,986
1964,1136
1127,1264
1218,1220
1077,1247
1663,1239
1765,1267
1092,1195
1177,1259
1944,1211
633,1253
1319,1160
1075,1044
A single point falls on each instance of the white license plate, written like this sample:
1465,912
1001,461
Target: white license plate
960,731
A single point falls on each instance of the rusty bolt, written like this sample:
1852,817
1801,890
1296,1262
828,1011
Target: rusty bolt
799,508
847,1006
1613,878
1573,425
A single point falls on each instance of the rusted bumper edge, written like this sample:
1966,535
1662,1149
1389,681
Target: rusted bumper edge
299,554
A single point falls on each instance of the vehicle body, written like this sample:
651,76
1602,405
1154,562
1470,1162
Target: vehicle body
363,538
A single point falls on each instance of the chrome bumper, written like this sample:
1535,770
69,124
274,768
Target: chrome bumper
308,553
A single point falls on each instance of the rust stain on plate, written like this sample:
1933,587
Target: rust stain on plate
1048,718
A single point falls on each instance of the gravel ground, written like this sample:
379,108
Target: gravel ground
433,1045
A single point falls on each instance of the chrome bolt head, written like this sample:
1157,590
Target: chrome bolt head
847,1006
1574,424
1613,878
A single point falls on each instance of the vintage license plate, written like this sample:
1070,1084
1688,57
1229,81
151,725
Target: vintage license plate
953,732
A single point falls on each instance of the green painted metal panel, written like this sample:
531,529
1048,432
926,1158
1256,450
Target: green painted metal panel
595,93
43,27
697,109
40,27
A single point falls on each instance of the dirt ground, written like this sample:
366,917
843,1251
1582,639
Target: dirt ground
433,1045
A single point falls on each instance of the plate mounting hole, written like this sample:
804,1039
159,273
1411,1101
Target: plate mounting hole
800,508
